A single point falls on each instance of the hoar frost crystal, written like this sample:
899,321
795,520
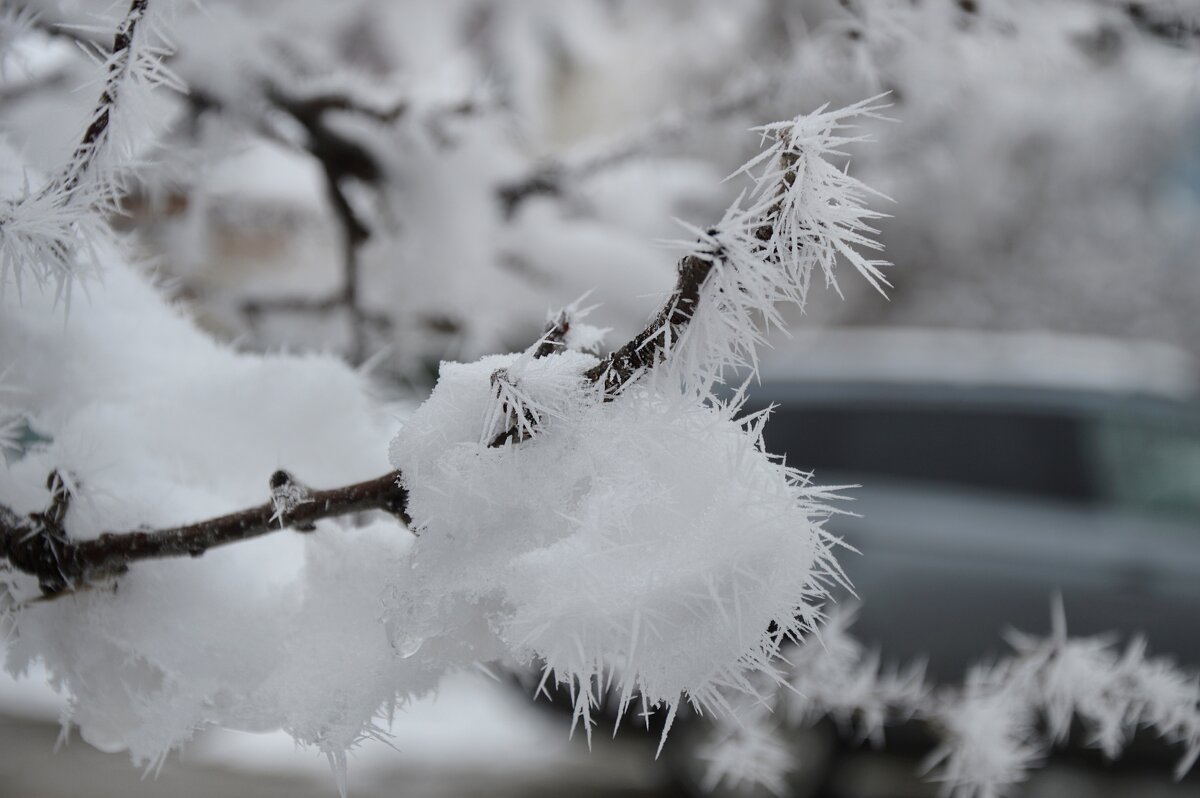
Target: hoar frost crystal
648,542
632,532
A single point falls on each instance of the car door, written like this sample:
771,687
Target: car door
1148,468
973,513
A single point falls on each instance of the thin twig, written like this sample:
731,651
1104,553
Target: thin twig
651,345
119,62
340,158
552,178
37,544
553,340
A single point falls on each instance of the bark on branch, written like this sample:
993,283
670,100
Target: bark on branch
37,543
651,345
120,61
647,348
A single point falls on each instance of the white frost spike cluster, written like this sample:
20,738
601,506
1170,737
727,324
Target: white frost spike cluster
46,237
999,724
48,228
1113,694
286,495
644,544
515,409
833,674
804,213
989,743
829,674
990,725
747,752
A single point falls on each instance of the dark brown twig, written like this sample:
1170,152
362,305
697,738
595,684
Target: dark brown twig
37,544
554,339
119,61
651,345
553,178
341,158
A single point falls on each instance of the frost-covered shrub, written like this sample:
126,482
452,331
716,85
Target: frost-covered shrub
631,527
603,517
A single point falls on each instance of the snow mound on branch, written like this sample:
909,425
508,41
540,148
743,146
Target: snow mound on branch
647,542
156,424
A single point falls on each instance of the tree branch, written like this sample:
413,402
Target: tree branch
647,348
553,178
37,543
340,158
650,346
119,62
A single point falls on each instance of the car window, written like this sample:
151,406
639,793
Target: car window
1150,465
1040,454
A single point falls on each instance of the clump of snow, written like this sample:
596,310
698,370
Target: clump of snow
158,425
644,540
647,541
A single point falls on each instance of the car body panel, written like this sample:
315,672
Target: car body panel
979,504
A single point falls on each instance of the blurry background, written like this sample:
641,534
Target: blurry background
404,182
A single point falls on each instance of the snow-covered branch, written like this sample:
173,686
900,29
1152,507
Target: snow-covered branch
556,177
48,230
37,544
1007,716
329,120
803,214
612,520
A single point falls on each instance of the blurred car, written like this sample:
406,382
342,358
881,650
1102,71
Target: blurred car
997,471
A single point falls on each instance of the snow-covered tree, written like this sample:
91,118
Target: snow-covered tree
197,533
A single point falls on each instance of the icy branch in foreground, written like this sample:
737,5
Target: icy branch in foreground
38,544
628,530
632,534
803,213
